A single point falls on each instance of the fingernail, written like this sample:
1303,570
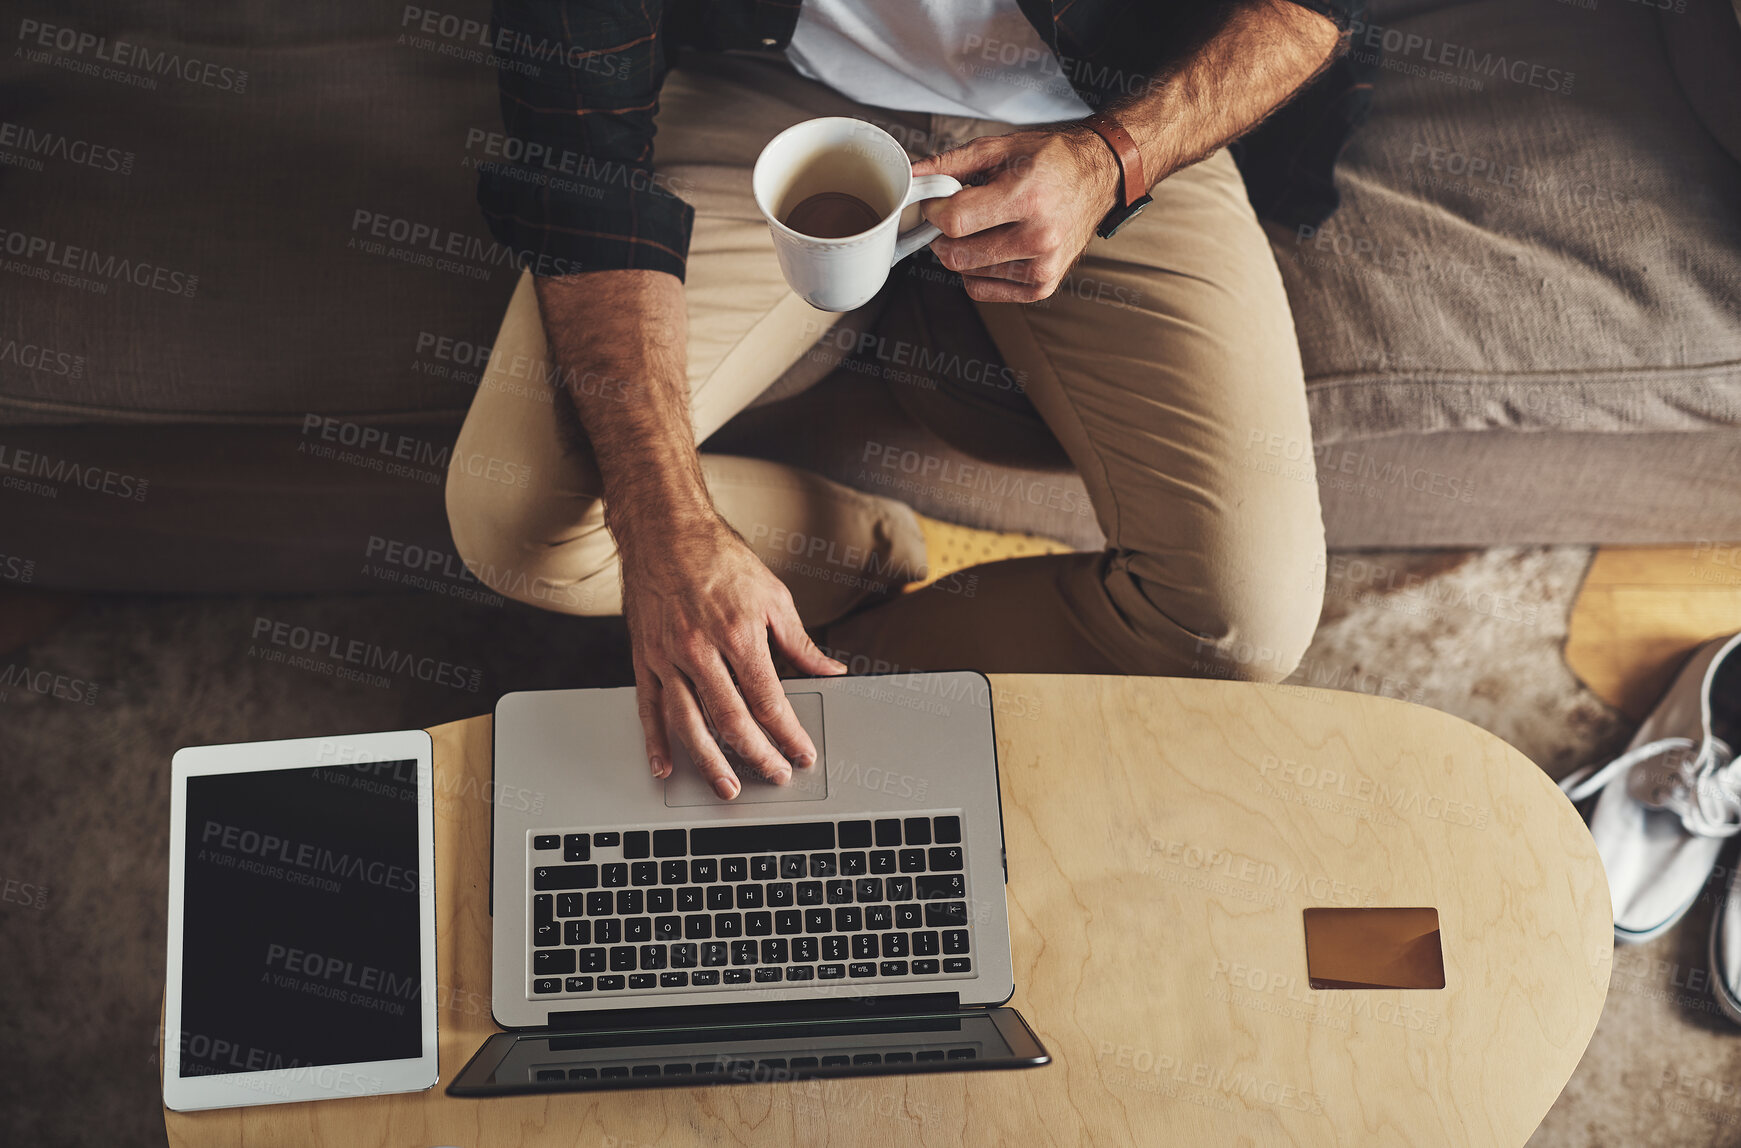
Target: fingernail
782,777
658,764
728,789
804,760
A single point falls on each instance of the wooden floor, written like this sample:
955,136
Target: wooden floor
1643,609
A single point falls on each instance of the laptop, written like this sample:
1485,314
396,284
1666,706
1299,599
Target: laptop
850,922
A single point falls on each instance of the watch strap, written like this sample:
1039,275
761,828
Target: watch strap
1130,160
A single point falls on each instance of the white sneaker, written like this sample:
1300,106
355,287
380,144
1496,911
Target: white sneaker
1668,804
1726,950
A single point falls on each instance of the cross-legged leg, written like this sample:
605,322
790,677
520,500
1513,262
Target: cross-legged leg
1168,369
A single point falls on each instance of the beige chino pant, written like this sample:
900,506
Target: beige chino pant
1168,371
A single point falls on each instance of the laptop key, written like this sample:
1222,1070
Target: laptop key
644,873
749,896
818,920
743,952
601,904
734,869
577,847
728,925
879,917
636,844
945,914
630,902
547,985
737,976
606,840
888,831
670,842
944,858
683,956
792,865
615,875
823,865
830,972
577,932
800,973
550,934
567,904
545,962
653,957
864,946
551,878
774,951
704,871
925,968
607,932
667,928
869,889
810,892
764,868
855,834
673,872
673,980
638,929
644,981
793,837
958,965
623,958
893,968
840,892
719,897
592,960
690,899
608,984
780,894
834,948
894,944
715,953
955,941
660,900
853,864
940,886
912,860
577,985
788,921
859,969
882,861
926,944
704,977
544,908
804,949
928,1054
917,830
907,917
848,920
546,841
758,924
764,975
946,830
698,927
898,888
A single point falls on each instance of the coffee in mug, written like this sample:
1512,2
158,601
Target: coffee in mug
832,215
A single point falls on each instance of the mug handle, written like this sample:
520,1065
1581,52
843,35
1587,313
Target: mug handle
924,187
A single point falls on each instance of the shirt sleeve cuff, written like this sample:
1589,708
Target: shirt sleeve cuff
616,218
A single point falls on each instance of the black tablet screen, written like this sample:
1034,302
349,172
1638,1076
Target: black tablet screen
300,911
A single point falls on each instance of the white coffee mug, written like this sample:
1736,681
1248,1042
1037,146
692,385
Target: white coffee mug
841,154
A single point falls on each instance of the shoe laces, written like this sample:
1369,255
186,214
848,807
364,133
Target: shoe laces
1699,783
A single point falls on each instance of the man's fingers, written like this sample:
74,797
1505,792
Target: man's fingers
985,290
972,157
649,700
683,714
972,210
789,636
770,707
732,723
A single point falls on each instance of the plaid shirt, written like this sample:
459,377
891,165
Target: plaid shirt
574,188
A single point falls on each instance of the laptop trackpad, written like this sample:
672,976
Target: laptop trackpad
685,786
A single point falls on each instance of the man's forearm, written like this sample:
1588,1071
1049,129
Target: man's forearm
1264,53
629,325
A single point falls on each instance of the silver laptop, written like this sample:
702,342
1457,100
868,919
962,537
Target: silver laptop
872,883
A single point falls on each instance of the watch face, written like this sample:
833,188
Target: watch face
1119,216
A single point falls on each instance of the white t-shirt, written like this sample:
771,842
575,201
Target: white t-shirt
977,58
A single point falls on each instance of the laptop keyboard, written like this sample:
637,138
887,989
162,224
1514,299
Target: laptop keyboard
748,905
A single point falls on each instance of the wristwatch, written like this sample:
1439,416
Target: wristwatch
1133,195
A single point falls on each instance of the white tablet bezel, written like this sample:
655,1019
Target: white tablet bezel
321,1082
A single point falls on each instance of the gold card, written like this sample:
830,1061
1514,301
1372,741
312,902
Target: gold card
1374,949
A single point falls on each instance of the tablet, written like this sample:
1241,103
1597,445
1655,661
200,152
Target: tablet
301,921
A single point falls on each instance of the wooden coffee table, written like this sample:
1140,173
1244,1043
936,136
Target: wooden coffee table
1163,838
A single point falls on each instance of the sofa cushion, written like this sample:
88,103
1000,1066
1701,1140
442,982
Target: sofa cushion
212,213
1536,233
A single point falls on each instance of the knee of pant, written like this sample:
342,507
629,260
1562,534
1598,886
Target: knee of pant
1257,629
575,576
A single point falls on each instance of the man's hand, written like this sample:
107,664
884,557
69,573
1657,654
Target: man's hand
701,609
1014,236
